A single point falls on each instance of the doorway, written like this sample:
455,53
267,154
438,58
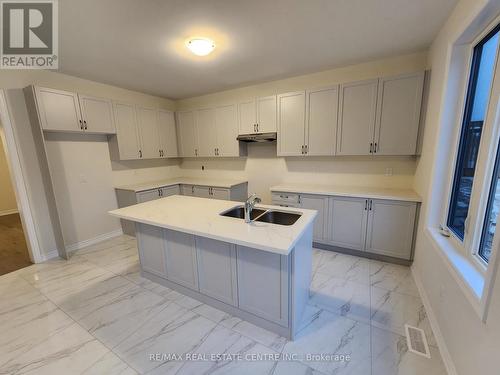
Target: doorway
14,252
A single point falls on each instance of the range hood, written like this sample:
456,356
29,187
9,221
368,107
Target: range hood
257,137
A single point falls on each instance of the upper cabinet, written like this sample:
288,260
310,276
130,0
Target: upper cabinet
380,117
207,132
143,133
126,144
258,115
398,114
291,120
357,110
167,134
321,121
186,128
226,123
307,122
147,122
216,129
67,111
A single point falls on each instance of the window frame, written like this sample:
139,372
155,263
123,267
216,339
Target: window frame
489,144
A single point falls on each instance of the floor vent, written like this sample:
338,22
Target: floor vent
417,342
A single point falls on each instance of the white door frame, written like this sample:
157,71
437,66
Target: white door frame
16,172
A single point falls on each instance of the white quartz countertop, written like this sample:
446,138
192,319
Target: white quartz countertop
200,216
215,182
346,191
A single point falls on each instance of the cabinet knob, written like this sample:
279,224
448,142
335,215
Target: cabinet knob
371,148
81,124
140,153
375,148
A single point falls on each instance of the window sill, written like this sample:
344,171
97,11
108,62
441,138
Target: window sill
468,277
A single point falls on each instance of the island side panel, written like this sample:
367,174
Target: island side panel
263,283
301,277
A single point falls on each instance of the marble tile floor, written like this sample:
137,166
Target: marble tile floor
95,314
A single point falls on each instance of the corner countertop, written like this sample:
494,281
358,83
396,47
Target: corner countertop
347,191
200,217
214,182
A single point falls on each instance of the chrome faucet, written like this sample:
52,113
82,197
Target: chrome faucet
249,205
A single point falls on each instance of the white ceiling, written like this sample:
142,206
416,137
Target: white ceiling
138,44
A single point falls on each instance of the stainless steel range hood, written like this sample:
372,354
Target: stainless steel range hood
257,137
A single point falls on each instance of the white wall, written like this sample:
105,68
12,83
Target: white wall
83,174
7,197
472,345
264,169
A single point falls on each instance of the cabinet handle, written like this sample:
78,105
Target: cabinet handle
81,124
257,128
302,152
195,152
140,153
366,204
85,124
375,148
306,149
371,148
371,204
192,189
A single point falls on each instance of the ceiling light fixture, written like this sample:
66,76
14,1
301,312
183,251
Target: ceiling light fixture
200,46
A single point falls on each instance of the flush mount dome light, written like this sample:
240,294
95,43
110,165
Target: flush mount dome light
200,46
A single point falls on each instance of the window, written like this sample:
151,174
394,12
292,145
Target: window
477,99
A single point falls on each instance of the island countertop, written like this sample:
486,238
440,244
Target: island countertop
201,217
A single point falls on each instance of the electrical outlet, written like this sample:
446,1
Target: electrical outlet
388,171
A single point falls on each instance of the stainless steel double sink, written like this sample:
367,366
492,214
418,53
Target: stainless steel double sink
266,216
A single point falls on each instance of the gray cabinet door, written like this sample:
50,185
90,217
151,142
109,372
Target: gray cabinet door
217,269
398,114
291,123
319,203
357,110
148,195
206,132
168,134
126,131
180,259
321,124
347,222
390,228
97,114
170,190
202,192
147,120
263,284
151,250
186,128
218,193
59,110
187,190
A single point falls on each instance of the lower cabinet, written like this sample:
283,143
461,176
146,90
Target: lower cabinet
347,224
180,259
319,203
252,280
266,295
391,228
217,269
378,226
151,249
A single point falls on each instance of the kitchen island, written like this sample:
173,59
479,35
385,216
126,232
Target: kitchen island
258,271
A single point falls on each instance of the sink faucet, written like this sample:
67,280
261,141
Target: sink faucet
249,204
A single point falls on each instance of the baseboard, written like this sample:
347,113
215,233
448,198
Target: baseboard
9,212
443,349
50,255
93,241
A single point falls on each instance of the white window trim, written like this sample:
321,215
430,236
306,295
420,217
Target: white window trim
474,279
482,180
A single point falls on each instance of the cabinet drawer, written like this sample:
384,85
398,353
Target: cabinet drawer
285,198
